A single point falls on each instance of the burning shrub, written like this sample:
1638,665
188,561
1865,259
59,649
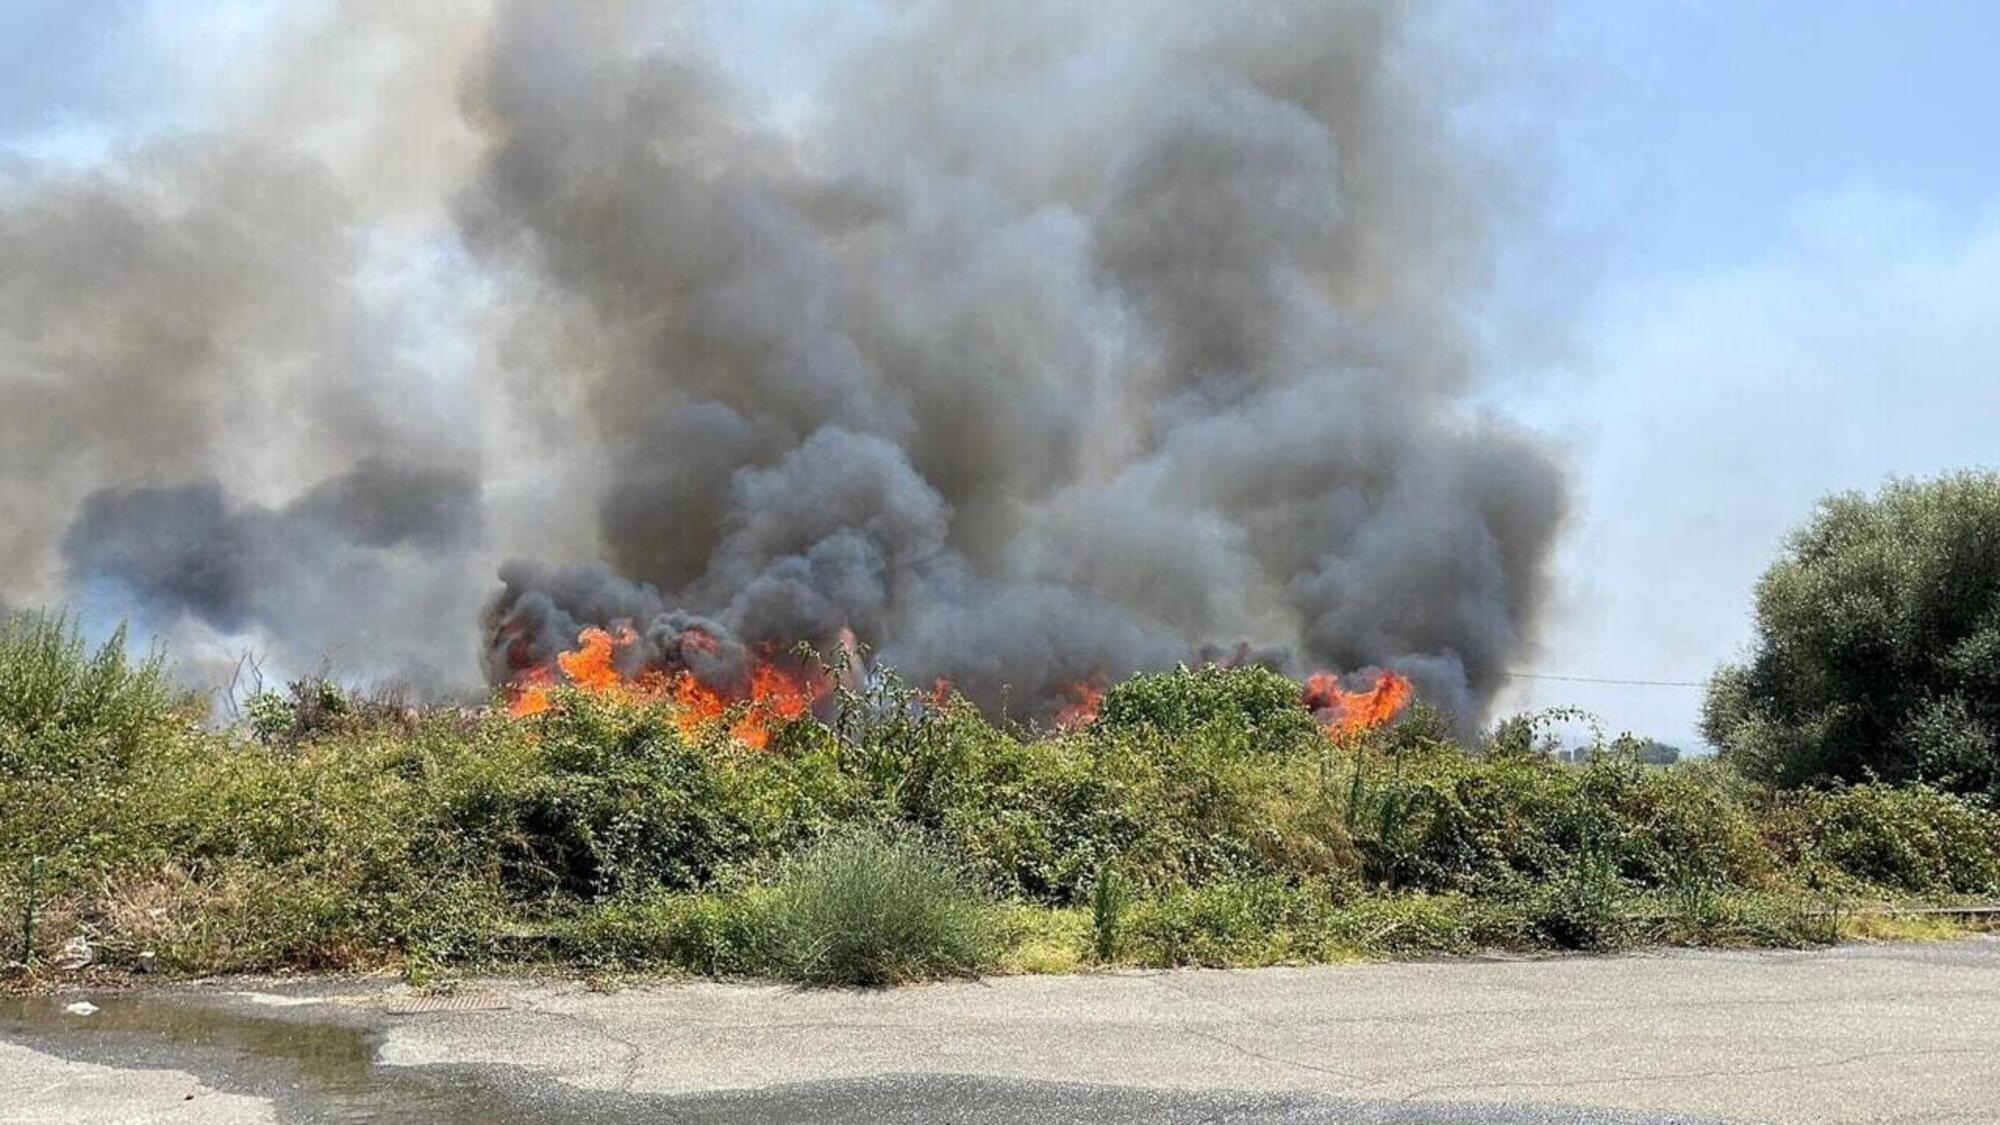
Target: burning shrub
1240,833
867,909
755,698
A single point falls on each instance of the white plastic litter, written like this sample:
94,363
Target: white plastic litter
76,953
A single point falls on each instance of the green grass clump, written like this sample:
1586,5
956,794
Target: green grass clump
868,909
1249,922
1424,925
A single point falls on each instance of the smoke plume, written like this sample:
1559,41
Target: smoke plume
1029,343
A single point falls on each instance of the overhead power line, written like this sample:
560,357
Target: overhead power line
1602,680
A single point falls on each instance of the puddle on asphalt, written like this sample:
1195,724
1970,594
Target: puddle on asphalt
311,1072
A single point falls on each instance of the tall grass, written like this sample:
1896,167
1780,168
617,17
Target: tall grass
867,909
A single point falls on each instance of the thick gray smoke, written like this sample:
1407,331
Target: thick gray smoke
1048,345
210,433
369,536
1031,343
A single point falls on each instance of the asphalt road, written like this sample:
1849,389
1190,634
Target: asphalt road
1902,1034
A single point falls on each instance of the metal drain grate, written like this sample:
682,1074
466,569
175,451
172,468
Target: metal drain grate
448,1002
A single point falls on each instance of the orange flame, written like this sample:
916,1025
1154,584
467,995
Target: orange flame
776,694
1350,714
591,666
531,692
1081,710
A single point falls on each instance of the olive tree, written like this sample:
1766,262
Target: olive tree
1877,650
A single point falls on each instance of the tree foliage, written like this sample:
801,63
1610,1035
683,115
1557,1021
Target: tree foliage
1877,652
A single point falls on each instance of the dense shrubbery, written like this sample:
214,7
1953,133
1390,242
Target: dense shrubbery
1202,820
1912,840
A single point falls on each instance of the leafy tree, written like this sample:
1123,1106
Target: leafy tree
1653,752
1878,645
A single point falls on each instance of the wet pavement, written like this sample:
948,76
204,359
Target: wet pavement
1859,1034
228,1065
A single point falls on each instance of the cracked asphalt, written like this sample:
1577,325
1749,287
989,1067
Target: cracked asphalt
1888,1033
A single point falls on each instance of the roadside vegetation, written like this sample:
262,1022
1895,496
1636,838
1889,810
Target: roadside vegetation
1203,819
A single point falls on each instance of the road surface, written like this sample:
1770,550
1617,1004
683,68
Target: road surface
1885,1033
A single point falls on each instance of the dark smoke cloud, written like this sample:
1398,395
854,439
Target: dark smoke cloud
191,549
196,311
1032,343
135,304
359,542
1115,337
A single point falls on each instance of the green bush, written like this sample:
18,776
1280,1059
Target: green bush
1423,925
1107,901
1264,921
1585,907
1911,840
66,712
1446,822
1258,921
710,934
1667,827
866,909
310,707
1250,703
1039,818
1711,916
612,800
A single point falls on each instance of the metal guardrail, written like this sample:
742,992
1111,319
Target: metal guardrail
1984,913
1981,913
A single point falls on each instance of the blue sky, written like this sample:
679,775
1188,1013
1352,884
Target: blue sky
1778,227
1715,119
1789,215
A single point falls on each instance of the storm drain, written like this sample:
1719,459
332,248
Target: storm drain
446,1002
